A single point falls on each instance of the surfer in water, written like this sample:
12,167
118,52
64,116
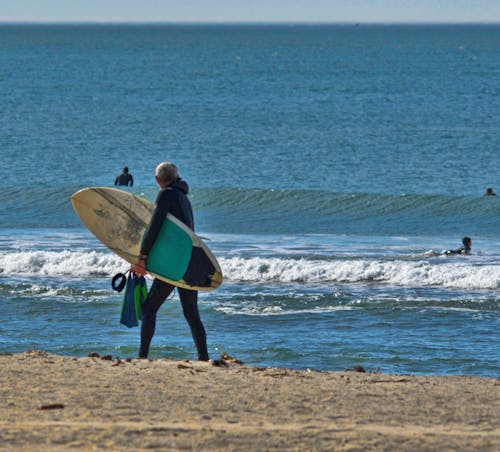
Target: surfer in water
124,178
171,199
466,249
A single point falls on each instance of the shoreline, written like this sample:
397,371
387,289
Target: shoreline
54,402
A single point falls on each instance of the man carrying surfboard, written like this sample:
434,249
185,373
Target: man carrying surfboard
171,199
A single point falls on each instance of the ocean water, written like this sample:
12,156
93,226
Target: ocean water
329,168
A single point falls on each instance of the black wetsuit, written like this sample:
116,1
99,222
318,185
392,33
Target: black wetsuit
124,179
172,200
462,250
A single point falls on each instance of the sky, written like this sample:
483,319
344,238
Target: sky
217,11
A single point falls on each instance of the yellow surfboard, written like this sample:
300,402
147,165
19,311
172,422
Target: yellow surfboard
119,220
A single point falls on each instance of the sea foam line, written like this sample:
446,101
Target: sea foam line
61,263
457,274
397,272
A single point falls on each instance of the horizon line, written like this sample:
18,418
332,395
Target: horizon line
310,23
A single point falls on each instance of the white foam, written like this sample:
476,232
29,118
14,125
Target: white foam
267,311
461,273
408,273
61,263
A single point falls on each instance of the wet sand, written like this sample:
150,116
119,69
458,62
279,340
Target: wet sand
51,402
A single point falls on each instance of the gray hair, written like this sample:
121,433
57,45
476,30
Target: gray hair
167,172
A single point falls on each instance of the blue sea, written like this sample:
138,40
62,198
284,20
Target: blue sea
329,166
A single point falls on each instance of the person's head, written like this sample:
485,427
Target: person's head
166,173
125,169
467,241
489,191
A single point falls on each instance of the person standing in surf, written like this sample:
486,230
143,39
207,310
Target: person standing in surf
172,198
124,178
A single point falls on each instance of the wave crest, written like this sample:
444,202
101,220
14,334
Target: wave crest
407,273
61,263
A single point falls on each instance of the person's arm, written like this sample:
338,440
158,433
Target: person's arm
157,219
159,214
131,180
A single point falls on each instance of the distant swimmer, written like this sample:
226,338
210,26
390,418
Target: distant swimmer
124,178
466,249
489,192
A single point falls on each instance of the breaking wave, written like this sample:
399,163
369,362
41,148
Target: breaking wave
460,273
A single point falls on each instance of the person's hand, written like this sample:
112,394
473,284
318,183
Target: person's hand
139,268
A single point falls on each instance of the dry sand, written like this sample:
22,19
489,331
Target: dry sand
51,402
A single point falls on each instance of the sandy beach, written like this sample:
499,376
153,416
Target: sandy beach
52,402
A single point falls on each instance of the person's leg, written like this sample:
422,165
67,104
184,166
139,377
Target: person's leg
157,294
189,301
